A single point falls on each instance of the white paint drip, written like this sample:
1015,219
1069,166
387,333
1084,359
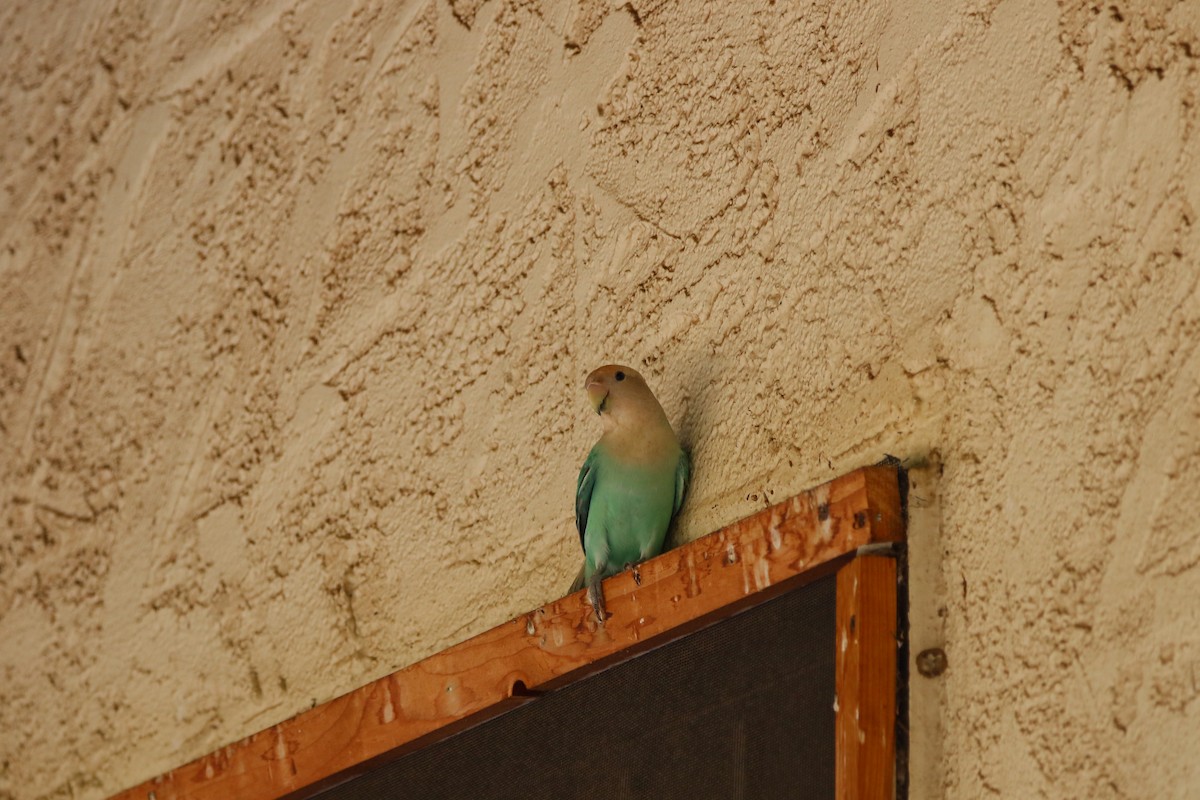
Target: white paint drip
281,748
762,574
389,708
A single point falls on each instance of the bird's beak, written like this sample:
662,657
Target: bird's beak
597,394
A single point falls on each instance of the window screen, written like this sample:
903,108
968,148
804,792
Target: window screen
741,709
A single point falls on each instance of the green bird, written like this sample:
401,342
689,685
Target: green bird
632,482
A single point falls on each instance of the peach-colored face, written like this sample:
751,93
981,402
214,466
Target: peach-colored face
603,381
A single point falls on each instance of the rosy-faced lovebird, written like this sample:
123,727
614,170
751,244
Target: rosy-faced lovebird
632,482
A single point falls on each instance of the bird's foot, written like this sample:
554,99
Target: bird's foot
635,570
596,596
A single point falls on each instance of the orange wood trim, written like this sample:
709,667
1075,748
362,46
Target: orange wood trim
781,547
866,679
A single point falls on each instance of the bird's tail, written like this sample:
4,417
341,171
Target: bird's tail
579,580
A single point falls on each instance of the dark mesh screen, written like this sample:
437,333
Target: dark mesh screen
742,709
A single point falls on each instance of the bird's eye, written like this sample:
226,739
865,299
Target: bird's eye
620,376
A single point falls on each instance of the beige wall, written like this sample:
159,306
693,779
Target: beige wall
296,302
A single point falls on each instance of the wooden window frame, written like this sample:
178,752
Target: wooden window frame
843,525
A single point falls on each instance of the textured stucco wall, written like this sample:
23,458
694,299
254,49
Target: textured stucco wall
296,299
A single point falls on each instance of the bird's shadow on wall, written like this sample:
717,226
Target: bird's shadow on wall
698,385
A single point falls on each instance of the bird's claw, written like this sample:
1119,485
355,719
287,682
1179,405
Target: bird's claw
596,596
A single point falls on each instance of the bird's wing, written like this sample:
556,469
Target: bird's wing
683,474
583,493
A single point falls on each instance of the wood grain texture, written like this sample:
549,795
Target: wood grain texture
866,679
783,546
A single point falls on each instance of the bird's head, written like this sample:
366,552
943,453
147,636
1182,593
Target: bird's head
620,393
